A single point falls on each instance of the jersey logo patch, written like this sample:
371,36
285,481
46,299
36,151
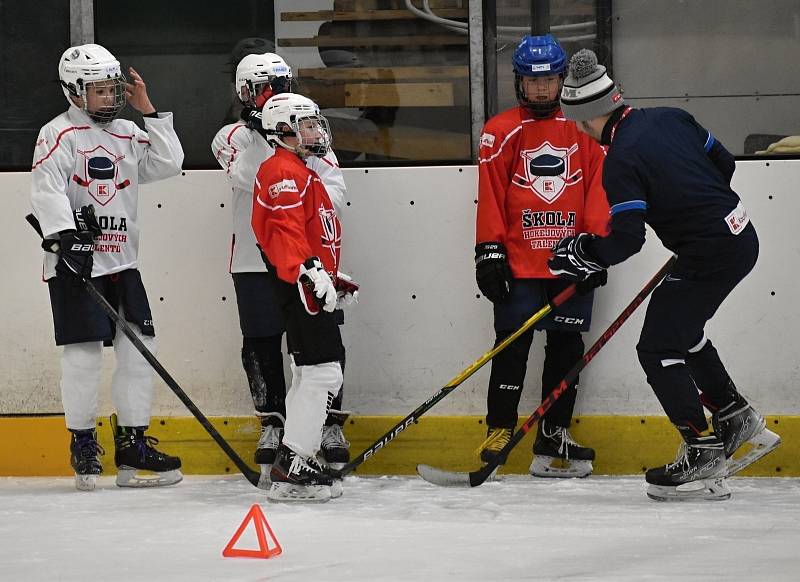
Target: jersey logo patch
487,139
101,174
283,186
547,171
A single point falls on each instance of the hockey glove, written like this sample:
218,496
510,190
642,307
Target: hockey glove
492,271
571,259
346,291
75,254
251,116
592,282
315,286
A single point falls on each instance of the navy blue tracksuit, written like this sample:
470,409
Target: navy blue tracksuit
665,170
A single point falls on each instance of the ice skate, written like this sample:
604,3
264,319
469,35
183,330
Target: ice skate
744,434
296,478
556,454
335,449
134,452
698,471
496,439
84,451
267,448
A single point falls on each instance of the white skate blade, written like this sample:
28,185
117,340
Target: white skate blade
712,489
85,482
448,478
127,477
751,451
554,467
291,493
264,481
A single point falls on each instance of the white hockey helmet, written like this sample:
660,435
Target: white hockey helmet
255,72
293,115
83,65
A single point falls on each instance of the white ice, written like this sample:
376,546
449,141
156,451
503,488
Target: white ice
401,528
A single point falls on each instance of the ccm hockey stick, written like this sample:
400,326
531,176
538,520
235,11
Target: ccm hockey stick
249,474
477,477
452,385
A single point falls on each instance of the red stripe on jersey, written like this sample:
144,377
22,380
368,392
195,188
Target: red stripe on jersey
58,143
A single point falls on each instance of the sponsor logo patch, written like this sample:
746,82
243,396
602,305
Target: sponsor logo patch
487,139
277,188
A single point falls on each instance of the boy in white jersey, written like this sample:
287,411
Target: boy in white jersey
86,156
240,148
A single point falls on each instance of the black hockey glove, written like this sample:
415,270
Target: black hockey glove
251,116
492,271
75,254
592,282
571,259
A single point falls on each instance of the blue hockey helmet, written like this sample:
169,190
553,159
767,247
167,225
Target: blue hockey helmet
538,56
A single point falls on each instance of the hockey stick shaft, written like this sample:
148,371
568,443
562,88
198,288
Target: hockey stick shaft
454,383
249,474
478,477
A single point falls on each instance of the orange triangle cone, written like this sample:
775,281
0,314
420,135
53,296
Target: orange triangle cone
258,518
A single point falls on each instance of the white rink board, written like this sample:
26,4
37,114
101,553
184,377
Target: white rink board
418,322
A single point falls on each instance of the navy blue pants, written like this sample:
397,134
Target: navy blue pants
673,349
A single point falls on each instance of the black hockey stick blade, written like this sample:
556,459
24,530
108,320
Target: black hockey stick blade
452,385
249,474
479,476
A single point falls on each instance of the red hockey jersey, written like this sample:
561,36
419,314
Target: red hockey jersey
539,180
293,216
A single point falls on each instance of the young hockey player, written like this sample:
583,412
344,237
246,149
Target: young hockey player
298,230
539,181
240,148
86,156
666,170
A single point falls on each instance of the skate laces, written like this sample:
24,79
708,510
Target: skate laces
88,447
270,437
146,445
495,441
333,437
560,432
681,459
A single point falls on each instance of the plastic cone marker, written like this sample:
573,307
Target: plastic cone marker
265,549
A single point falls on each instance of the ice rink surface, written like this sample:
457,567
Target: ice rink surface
401,528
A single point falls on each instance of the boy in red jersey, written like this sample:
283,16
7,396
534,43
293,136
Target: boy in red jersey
539,179
298,231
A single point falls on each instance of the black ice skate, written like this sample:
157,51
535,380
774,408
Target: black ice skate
298,478
496,439
84,451
335,451
134,451
556,454
698,472
743,431
267,449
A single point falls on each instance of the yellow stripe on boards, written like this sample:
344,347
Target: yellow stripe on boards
625,445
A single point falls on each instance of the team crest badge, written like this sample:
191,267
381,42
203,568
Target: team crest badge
548,172
100,174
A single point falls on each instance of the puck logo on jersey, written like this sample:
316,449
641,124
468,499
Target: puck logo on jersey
101,174
547,171
331,237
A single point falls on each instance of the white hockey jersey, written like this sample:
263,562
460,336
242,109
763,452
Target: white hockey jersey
241,151
76,163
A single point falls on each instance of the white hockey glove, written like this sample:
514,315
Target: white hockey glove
315,286
346,291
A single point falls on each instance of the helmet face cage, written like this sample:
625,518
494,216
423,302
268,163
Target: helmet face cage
296,116
251,89
539,56
87,69
314,134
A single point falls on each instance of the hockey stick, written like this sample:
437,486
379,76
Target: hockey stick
477,477
453,384
249,474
